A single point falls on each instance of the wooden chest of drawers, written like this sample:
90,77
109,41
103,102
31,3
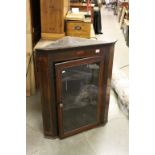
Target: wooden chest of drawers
52,18
78,29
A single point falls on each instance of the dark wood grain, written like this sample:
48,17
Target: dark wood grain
49,82
45,94
109,53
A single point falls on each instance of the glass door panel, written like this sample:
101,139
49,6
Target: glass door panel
79,89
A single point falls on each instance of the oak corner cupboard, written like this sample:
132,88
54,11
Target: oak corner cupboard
53,13
74,78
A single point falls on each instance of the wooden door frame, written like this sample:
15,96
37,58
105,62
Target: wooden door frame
67,64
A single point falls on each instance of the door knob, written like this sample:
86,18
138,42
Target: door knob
61,105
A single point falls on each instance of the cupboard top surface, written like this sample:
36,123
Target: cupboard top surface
70,42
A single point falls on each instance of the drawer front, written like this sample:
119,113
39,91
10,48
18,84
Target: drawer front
86,53
76,54
78,29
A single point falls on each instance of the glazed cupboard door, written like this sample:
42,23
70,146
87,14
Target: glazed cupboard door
79,88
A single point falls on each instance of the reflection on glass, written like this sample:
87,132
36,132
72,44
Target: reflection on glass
80,96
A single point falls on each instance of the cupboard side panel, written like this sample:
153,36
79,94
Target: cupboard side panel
44,83
108,64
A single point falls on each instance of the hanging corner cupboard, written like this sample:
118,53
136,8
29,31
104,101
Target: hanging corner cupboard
74,78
